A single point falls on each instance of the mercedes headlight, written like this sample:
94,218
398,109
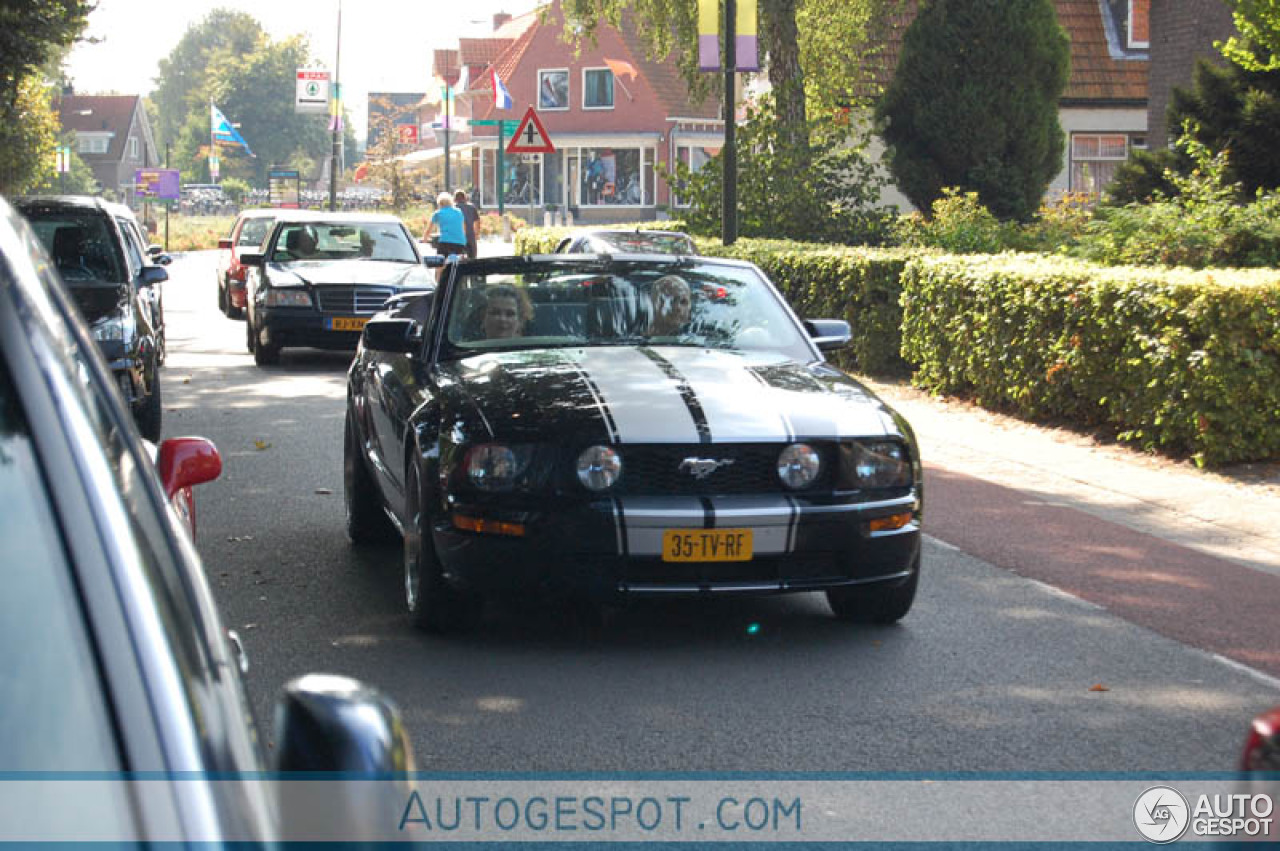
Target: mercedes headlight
288,297
117,329
494,467
599,467
876,464
799,465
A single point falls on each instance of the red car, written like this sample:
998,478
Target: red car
250,228
1262,747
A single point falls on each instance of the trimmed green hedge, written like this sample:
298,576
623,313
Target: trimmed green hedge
1169,359
1180,361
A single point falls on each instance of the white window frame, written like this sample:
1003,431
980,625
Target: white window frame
568,96
133,147
613,90
93,143
1075,161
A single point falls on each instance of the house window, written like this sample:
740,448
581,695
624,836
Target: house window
1139,23
520,181
96,144
611,176
597,88
1095,158
694,157
133,147
553,89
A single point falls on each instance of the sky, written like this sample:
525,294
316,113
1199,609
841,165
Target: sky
386,44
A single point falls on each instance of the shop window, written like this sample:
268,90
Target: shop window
611,176
693,157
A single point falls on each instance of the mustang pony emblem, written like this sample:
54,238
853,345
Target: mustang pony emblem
700,468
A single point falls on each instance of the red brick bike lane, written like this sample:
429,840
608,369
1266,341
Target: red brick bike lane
1194,598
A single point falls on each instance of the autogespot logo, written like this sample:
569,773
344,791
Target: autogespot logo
1161,814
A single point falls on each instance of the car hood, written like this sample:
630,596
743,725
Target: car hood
98,300
346,273
663,395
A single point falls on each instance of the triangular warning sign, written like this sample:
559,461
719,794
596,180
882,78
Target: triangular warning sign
531,137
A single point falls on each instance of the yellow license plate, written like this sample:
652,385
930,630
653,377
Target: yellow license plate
706,545
346,323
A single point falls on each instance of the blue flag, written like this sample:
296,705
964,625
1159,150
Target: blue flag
222,131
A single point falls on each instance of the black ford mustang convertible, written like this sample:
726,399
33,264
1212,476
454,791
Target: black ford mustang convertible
624,425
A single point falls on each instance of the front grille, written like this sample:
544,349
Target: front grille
656,470
365,300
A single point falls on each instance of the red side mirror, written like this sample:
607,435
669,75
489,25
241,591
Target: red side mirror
187,461
224,242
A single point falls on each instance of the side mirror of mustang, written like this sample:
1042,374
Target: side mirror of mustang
432,261
250,258
390,335
829,334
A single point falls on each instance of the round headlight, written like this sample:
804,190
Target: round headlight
799,466
599,467
492,467
883,464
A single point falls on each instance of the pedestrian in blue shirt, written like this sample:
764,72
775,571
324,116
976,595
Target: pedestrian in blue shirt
449,227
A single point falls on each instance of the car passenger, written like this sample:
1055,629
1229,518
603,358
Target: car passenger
506,312
671,305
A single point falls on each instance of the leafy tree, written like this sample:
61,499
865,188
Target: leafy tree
1257,48
34,35
384,168
228,59
974,103
1230,110
79,180
832,198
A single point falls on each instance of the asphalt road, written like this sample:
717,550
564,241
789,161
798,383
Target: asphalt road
993,670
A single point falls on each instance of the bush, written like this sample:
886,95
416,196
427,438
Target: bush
1180,361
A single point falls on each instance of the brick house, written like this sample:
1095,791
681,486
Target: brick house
1102,110
613,115
113,137
1182,31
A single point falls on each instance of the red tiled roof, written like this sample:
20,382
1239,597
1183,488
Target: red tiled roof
1096,75
96,113
481,51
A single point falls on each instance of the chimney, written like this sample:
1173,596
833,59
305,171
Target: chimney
499,19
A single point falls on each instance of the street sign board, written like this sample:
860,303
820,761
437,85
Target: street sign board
157,183
284,188
312,92
408,134
509,125
530,137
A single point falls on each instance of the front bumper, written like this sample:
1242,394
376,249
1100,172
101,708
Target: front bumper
613,547
305,326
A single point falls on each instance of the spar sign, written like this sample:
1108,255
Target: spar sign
313,92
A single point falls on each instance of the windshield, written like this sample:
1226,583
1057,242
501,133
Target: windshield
307,241
81,244
640,242
621,303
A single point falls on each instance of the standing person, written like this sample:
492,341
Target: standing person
471,217
450,227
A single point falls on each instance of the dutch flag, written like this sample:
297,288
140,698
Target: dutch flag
501,97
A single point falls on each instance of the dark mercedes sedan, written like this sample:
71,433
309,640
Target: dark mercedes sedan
622,426
318,277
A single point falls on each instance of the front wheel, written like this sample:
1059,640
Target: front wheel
149,412
880,603
367,523
264,354
433,605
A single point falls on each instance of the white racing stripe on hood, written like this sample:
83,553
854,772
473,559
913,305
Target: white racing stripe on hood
739,407
645,404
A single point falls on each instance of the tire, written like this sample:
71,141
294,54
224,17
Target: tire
222,298
367,523
248,335
264,354
148,414
880,603
433,605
